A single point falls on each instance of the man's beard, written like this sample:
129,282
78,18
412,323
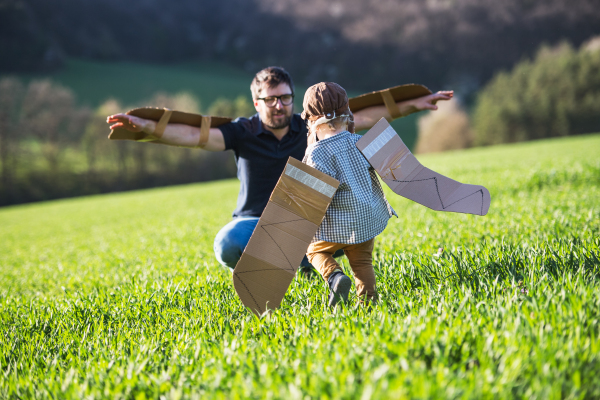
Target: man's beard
270,123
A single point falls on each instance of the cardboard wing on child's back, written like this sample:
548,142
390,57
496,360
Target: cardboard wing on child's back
405,175
283,233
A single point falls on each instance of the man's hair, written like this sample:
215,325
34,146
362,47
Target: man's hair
270,77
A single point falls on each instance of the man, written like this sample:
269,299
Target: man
262,145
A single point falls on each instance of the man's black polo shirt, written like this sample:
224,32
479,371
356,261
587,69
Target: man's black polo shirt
260,159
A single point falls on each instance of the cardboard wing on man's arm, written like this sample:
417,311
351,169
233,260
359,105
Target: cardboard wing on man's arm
388,97
283,233
164,116
405,175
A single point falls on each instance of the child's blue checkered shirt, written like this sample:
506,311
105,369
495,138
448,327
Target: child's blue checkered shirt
359,210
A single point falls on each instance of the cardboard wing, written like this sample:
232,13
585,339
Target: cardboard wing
405,175
165,116
283,233
388,97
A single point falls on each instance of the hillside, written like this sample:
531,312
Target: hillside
135,83
69,155
358,43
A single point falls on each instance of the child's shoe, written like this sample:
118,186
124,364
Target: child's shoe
339,287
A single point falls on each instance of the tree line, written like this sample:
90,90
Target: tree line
50,147
554,94
361,44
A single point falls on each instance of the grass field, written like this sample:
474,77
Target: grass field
119,296
132,83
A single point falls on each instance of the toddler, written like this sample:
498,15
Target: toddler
358,211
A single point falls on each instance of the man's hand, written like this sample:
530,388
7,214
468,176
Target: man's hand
174,134
429,102
131,123
367,117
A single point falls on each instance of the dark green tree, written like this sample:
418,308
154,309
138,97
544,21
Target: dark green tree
11,96
556,94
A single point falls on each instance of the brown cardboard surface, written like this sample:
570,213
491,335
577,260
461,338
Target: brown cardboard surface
290,195
277,216
204,130
405,175
295,191
275,246
285,229
260,284
154,114
399,93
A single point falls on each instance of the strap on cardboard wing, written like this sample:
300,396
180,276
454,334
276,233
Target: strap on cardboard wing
161,125
163,117
405,175
388,97
283,233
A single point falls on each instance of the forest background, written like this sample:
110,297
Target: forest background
521,70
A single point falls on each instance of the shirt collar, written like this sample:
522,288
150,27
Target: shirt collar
335,137
296,123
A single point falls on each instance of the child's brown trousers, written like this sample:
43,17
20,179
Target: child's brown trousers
320,254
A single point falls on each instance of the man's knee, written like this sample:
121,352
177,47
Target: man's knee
231,241
227,251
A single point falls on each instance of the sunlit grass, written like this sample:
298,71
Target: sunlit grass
120,296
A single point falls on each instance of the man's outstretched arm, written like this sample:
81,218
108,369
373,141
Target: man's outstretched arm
367,117
174,134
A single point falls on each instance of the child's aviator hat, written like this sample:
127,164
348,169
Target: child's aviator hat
324,102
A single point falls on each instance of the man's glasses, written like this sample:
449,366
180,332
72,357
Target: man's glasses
271,101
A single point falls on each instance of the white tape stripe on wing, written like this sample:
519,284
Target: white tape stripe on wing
310,181
379,142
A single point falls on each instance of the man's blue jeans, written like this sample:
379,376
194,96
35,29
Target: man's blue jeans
232,239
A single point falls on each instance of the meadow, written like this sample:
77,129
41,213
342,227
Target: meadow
119,296
131,83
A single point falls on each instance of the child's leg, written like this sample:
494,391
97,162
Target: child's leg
361,261
320,255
